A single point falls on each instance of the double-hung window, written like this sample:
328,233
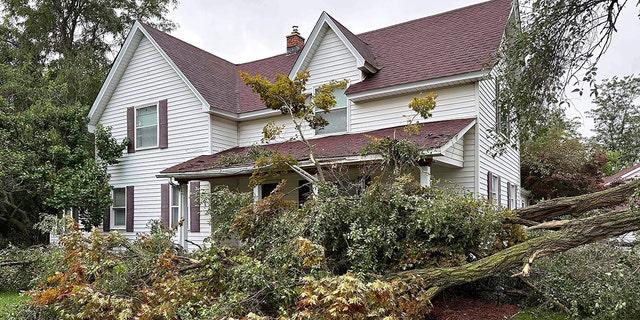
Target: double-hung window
337,116
174,219
512,196
119,208
147,127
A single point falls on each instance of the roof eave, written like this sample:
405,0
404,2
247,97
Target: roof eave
418,86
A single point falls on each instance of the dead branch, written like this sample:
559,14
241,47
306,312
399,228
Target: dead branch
15,263
576,206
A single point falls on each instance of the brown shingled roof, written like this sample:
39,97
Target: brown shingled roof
451,43
432,135
447,44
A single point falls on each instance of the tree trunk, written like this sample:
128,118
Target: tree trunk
576,206
575,233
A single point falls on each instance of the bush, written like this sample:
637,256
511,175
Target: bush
598,281
31,264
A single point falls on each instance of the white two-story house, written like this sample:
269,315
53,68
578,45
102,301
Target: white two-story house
184,109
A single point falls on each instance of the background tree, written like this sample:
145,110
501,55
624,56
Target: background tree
558,163
54,56
557,43
617,120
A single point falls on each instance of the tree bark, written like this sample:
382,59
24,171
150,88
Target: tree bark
576,206
573,234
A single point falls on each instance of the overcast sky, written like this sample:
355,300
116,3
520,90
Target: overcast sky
244,30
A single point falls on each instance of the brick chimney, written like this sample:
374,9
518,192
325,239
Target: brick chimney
294,41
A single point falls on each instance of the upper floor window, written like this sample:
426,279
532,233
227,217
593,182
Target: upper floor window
147,127
337,116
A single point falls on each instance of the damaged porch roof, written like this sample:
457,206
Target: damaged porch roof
433,137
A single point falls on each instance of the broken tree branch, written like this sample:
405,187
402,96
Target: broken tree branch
575,233
576,206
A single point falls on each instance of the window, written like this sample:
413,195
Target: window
503,126
337,116
493,188
512,196
174,219
304,192
147,127
267,188
119,209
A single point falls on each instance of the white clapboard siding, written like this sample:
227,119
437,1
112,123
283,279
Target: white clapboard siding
224,134
332,61
452,103
506,166
250,132
464,176
147,80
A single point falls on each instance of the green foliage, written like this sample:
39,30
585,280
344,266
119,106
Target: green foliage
617,120
272,164
31,265
223,206
423,107
558,164
557,43
402,225
53,59
399,156
596,281
291,98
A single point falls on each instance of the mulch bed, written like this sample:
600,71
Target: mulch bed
463,308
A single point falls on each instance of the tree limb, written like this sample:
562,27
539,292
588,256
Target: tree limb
576,206
575,233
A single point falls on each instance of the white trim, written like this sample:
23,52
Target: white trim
417,86
453,140
476,142
122,62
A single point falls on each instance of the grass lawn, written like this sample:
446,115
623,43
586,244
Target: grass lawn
535,314
9,299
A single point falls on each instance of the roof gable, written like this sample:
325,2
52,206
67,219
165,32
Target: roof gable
137,33
365,59
458,42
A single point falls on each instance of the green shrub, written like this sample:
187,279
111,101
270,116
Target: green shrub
596,281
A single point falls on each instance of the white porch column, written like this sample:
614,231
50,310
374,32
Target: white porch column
257,193
425,174
183,216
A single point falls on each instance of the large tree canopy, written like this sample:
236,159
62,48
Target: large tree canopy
557,44
54,56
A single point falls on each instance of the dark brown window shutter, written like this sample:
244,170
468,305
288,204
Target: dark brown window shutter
130,202
194,206
163,139
164,204
509,196
489,186
131,129
106,222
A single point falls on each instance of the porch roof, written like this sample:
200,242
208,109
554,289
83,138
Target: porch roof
432,137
